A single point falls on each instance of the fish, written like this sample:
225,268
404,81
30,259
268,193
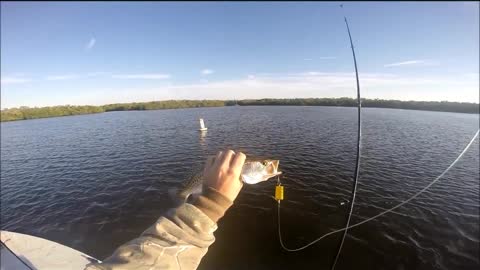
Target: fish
254,171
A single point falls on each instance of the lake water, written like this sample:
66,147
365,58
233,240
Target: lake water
93,182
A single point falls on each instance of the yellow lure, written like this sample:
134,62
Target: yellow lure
279,192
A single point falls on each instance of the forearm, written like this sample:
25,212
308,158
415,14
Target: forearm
177,240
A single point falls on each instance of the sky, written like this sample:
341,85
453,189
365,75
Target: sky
58,53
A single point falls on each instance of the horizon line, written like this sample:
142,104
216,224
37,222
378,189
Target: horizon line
106,104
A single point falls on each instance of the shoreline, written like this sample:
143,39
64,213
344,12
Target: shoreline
27,113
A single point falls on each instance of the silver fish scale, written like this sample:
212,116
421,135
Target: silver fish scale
193,185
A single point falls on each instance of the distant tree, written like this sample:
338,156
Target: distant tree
33,113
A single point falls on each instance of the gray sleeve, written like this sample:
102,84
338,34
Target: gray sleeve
177,240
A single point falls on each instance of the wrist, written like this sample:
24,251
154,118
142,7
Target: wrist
212,203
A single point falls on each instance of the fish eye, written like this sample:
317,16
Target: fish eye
264,163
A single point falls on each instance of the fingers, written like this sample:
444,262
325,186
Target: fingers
222,173
238,160
227,158
218,159
223,158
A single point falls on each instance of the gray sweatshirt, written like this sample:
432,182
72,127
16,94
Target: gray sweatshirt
178,240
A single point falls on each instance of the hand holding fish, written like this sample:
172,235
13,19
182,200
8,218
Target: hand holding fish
226,172
222,173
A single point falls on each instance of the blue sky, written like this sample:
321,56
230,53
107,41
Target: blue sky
98,53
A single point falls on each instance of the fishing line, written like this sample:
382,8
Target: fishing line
356,175
357,163
381,213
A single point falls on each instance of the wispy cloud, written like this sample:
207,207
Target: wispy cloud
62,77
65,77
405,63
317,84
99,73
90,44
312,73
308,84
151,76
321,58
14,80
412,63
207,71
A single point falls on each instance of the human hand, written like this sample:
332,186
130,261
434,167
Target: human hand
222,173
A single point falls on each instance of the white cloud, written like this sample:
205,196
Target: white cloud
95,74
13,80
405,63
316,84
321,58
62,77
412,63
151,76
90,44
312,73
308,84
74,76
207,71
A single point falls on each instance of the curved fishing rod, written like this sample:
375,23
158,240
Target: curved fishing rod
359,144
357,162
356,174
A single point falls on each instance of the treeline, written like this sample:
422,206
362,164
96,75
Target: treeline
24,113
161,105
296,102
441,106
444,106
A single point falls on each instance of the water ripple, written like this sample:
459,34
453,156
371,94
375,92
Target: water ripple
94,182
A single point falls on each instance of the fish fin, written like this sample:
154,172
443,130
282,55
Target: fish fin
182,197
177,197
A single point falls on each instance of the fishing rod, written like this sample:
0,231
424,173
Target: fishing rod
359,145
279,188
